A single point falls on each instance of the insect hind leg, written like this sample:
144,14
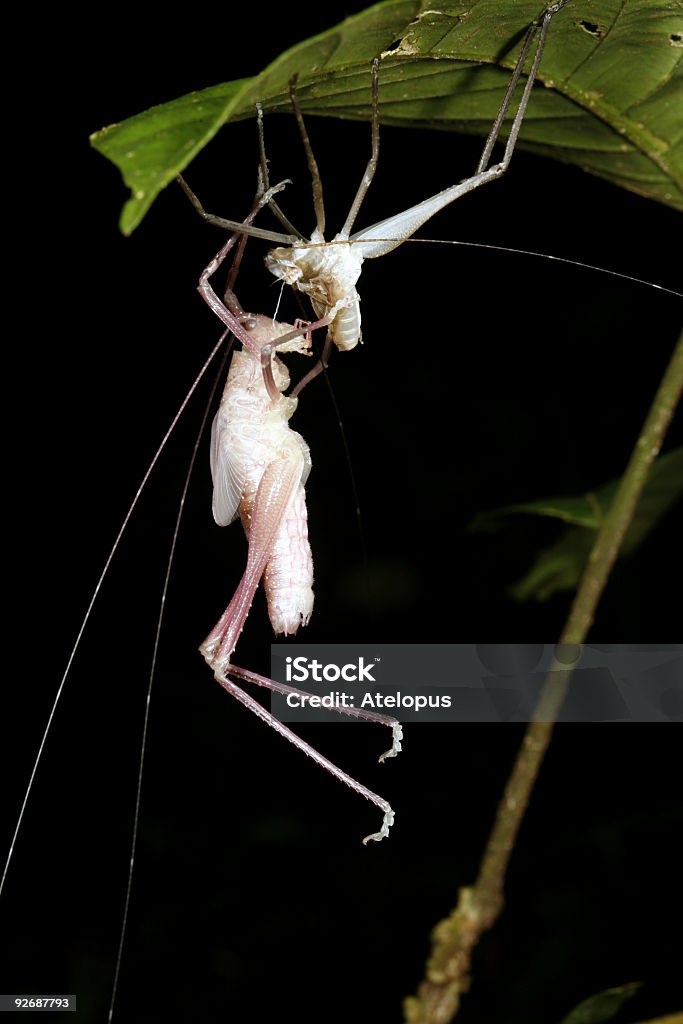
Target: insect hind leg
316,180
371,168
275,723
539,26
360,713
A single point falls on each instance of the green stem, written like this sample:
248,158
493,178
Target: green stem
447,974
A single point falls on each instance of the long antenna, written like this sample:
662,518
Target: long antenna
152,675
93,599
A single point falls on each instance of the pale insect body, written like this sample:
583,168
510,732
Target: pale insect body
259,468
251,438
327,274
257,463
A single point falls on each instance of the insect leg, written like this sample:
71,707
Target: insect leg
241,227
264,182
318,203
230,314
275,491
360,713
275,723
319,368
231,317
381,238
542,23
369,174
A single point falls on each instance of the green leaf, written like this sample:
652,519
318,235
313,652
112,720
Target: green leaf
556,569
560,567
602,1007
611,102
586,510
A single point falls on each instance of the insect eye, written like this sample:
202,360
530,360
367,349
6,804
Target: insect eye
250,324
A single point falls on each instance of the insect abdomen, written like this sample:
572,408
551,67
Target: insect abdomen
345,328
288,578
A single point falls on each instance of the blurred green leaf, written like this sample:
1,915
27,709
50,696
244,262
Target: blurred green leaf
602,1007
611,102
560,566
557,568
587,510
671,1018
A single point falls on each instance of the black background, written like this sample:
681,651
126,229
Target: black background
484,379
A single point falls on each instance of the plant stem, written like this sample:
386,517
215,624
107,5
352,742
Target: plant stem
478,907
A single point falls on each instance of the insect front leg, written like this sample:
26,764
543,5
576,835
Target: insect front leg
245,228
233,316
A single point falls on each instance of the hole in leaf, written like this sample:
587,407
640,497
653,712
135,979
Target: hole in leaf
676,39
591,28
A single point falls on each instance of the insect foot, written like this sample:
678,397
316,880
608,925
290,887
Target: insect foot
386,825
397,736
